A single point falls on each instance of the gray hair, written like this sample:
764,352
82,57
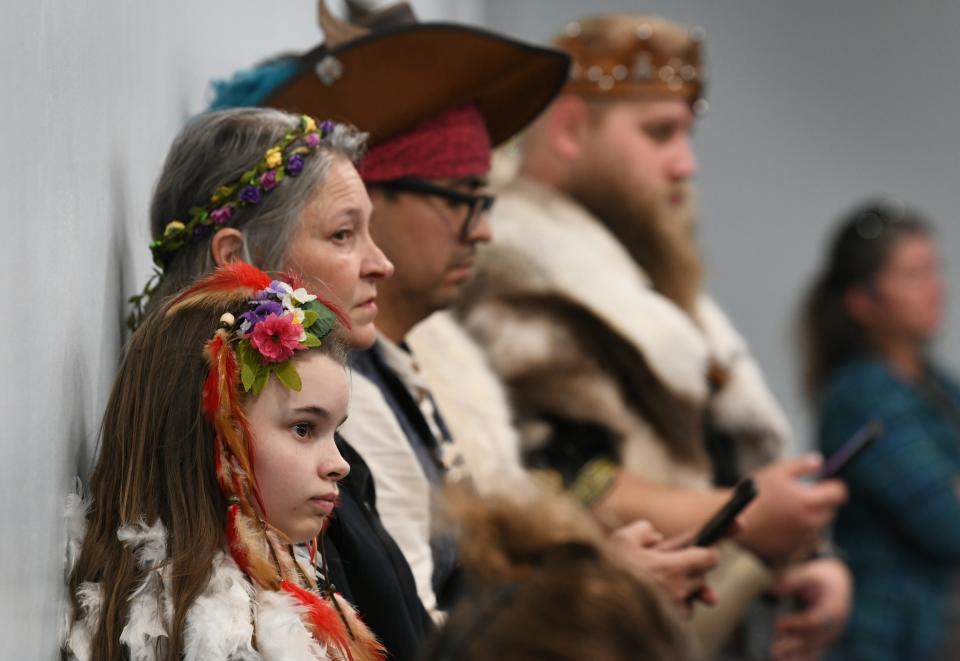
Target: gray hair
217,148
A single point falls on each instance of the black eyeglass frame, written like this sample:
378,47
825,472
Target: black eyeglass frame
478,204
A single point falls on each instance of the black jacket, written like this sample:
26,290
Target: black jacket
368,569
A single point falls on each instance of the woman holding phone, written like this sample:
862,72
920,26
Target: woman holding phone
868,323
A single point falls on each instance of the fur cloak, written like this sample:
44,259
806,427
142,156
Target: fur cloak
573,327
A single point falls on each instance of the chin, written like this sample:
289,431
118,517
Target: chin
361,336
304,534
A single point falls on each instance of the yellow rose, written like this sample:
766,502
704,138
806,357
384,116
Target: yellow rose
274,158
309,126
173,227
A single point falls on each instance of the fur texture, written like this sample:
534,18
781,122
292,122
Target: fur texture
473,403
616,354
223,623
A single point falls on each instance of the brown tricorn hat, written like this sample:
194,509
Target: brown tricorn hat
633,56
392,76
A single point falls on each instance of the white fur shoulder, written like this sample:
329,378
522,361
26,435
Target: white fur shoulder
221,624
563,249
472,401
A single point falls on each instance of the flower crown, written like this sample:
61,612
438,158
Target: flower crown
279,162
280,320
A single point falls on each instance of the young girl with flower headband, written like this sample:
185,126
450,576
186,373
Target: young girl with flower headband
216,474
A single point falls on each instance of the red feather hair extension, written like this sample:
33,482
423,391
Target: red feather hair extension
322,617
228,278
222,406
365,645
238,549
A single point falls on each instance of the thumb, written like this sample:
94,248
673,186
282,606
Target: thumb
788,583
806,464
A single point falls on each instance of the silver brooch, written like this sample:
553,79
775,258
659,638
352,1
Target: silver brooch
329,70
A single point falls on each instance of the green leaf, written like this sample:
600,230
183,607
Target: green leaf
279,174
248,176
325,322
262,375
310,318
249,365
288,376
311,341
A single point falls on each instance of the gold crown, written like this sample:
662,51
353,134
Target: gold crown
624,56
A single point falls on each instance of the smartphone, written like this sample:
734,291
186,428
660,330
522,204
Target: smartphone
720,523
850,450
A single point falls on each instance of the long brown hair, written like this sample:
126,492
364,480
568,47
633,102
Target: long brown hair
156,462
860,249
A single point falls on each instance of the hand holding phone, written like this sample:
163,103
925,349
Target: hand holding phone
850,450
714,529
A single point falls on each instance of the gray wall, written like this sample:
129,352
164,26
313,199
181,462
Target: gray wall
813,105
92,95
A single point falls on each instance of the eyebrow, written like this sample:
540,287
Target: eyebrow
318,411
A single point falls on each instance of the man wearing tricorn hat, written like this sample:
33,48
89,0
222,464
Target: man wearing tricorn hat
628,380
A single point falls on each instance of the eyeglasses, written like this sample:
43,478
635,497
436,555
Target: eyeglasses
477,205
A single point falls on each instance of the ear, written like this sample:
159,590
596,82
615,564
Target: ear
566,126
860,302
226,246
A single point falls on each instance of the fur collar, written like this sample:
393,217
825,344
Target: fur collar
221,623
546,244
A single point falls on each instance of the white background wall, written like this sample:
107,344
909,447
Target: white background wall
814,104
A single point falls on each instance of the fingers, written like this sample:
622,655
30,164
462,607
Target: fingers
640,533
802,466
827,494
793,648
696,561
805,623
678,542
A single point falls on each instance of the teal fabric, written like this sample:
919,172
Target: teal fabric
251,87
900,530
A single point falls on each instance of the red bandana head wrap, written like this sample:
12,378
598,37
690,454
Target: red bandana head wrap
451,145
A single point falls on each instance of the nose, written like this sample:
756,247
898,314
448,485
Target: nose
375,265
481,231
683,165
332,465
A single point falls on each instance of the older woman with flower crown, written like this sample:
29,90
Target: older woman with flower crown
281,191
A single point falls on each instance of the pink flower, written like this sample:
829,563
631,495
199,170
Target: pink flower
312,140
221,215
268,181
276,338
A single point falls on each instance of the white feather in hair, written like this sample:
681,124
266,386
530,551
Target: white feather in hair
148,543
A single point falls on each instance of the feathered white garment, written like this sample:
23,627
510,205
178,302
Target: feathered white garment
221,624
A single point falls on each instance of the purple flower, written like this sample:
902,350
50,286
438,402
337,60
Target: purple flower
312,140
221,215
261,312
268,181
201,230
295,165
279,287
326,126
250,194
